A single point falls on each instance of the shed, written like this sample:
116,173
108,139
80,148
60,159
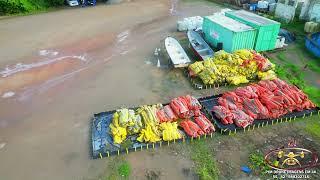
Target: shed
232,34
267,29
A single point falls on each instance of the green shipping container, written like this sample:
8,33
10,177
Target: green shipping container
267,29
232,34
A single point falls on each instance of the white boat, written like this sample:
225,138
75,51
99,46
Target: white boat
178,56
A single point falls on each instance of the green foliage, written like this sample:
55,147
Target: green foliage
206,167
257,163
118,168
27,6
313,127
296,26
11,7
314,66
124,169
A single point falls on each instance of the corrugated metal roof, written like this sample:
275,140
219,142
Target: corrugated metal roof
254,18
229,23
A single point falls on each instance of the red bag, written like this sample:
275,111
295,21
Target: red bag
270,85
227,104
204,124
241,119
192,103
179,108
223,114
162,116
169,113
191,128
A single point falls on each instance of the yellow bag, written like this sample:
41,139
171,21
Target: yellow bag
269,75
236,80
170,131
119,134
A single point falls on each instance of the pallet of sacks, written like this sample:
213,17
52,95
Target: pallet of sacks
148,126
259,104
224,68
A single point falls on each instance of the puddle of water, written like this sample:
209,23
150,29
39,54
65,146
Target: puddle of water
2,145
48,53
8,71
26,75
123,36
8,94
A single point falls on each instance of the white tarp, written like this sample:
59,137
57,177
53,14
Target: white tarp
190,23
195,22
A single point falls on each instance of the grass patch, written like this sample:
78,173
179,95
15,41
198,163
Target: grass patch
206,167
282,56
314,66
313,127
124,169
257,163
296,26
117,168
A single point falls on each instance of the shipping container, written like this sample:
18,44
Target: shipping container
232,34
267,29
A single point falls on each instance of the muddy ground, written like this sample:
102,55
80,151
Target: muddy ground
59,68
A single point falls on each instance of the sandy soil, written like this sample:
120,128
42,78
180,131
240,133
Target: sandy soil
59,68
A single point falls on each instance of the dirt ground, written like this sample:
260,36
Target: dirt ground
58,69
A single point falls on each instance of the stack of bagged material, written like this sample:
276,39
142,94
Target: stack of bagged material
264,100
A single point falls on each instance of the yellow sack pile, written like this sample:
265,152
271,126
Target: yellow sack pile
236,80
170,131
137,125
125,122
150,132
196,67
119,133
236,68
269,75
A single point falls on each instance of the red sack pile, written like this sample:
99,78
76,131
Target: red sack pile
185,106
263,63
267,99
191,128
206,126
166,114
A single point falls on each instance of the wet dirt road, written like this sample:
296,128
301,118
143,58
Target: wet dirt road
59,68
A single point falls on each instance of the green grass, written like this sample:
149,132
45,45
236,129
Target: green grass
257,163
27,7
314,66
282,56
124,169
206,167
297,27
313,127
117,168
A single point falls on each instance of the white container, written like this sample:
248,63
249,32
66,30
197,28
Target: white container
190,23
263,4
280,42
